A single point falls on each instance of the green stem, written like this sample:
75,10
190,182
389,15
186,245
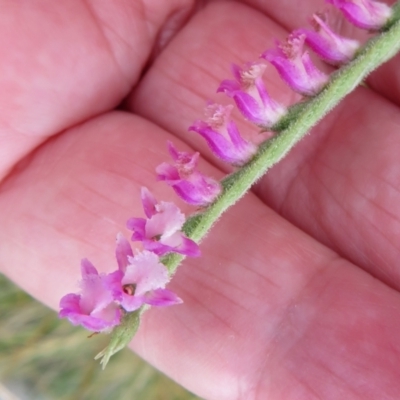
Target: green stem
295,125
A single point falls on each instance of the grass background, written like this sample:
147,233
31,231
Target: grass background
42,357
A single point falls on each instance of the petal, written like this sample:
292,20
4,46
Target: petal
104,320
162,298
168,220
100,320
132,303
219,145
201,193
113,283
243,148
315,77
138,226
156,247
167,172
87,268
149,202
189,248
146,272
110,315
173,151
228,87
93,293
69,304
122,251
236,71
179,243
295,67
335,52
249,108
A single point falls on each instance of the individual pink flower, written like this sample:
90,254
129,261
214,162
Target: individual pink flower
223,136
161,231
251,97
140,279
188,183
365,14
95,308
331,47
295,66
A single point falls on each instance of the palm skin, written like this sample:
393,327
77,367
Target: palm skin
296,294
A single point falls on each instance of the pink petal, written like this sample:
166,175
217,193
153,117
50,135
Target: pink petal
94,295
223,147
168,220
188,183
132,303
162,298
202,193
149,202
103,321
251,96
167,172
122,252
295,66
138,226
146,272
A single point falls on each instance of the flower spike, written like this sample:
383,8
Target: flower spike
295,66
95,308
161,231
251,97
223,136
188,183
365,14
330,46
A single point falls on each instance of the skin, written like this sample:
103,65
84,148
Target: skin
296,295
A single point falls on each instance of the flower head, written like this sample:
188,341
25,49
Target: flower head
365,14
223,137
251,97
330,46
161,232
295,66
95,307
188,183
140,279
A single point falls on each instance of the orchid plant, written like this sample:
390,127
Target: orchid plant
114,302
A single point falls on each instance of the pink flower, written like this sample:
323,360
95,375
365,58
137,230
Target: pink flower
251,96
188,183
328,45
365,14
223,136
161,231
95,308
140,279
295,66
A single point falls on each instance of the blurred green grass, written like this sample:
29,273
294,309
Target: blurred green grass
42,357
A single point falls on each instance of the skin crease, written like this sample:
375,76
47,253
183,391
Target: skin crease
296,294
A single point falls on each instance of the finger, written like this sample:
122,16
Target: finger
262,316
63,62
340,184
386,80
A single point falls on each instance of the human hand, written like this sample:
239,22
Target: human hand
282,303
